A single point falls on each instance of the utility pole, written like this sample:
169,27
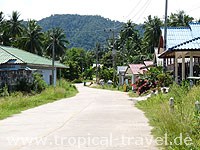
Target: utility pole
165,34
97,57
113,55
53,59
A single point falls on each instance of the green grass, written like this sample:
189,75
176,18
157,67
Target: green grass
18,102
133,94
183,120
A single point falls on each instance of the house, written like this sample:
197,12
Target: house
16,64
182,50
134,70
121,73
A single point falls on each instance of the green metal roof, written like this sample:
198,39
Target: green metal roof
23,57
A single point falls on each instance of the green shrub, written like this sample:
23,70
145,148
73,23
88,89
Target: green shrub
17,101
24,85
38,83
4,91
77,81
183,120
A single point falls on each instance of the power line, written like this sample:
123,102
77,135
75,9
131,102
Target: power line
133,9
138,12
144,9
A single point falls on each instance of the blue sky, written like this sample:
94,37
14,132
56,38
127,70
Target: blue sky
122,10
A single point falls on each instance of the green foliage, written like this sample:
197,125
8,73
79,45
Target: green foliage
24,85
183,120
88,73
56,39
38,83
77,81
79,62
106,73
4,91
156,74
32,38
180,18
152,33
18,102
82,31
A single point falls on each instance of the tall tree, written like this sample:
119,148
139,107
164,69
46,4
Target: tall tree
4,31
129,43
15,25
76,59
179,19
57,37
152,33
32,38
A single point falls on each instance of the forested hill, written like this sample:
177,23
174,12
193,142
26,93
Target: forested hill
82,31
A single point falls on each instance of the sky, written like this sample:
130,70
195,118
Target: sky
121,10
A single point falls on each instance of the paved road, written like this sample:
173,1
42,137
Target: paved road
92,120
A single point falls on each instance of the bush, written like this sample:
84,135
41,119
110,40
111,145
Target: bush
183,120
77,81
38,83
24,85
4,91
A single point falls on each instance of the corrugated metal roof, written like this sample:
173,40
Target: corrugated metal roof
136,68
121,69
193,44
182,38
21,56
195,27
176,36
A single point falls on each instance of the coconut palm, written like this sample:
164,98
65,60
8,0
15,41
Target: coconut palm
152,32
32,38
15,25
56,37
179,19
4,31
129,42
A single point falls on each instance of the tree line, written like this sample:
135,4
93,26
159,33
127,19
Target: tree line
129,46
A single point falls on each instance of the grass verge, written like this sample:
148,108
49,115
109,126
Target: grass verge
180,128
18,102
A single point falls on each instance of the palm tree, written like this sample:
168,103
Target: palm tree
4,31
179,19
32,38
130,42
15,25
152,32
57,37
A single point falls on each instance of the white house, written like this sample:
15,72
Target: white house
182,50
16,63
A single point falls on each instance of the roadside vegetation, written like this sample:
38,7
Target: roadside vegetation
176,124
16,102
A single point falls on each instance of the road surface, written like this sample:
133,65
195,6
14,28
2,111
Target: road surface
92,120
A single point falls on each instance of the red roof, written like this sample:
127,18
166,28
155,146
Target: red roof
135,68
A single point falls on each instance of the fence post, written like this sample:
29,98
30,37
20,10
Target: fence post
171,104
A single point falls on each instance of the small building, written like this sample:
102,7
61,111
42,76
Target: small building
121,73
134,70
16,64
182,53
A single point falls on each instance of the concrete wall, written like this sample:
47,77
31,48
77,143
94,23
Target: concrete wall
46,73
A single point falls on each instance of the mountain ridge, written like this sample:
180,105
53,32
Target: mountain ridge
82,30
